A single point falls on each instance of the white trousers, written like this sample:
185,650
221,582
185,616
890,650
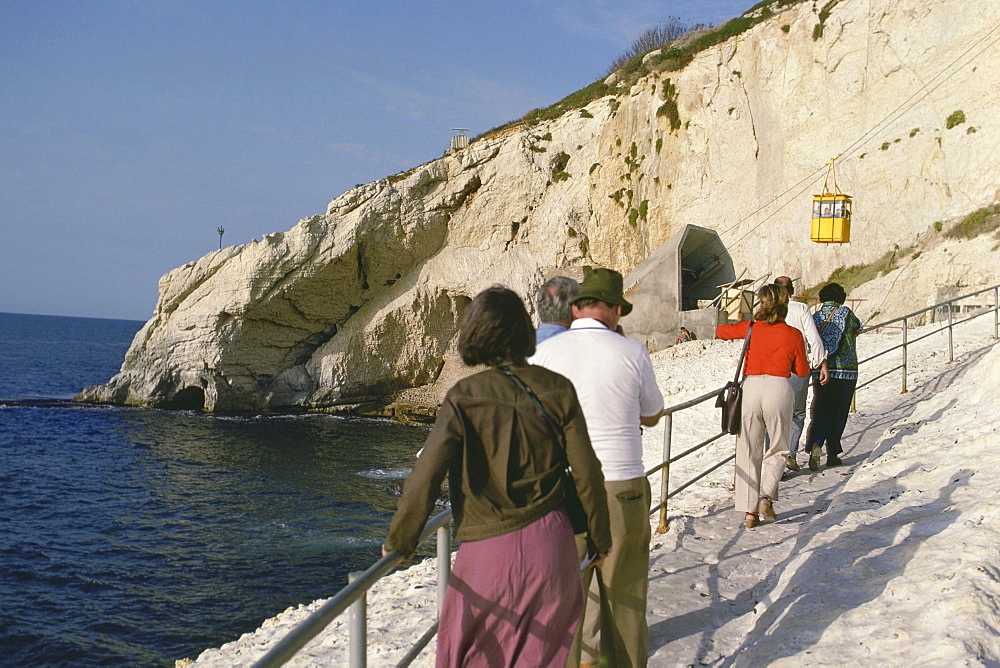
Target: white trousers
800,388
767,408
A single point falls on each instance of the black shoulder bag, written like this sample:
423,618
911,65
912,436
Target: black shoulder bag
571,500
731,397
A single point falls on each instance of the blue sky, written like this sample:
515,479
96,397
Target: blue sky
130,131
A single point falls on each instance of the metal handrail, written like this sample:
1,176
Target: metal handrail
354,594
664,466
949,327
665,495
908,316
355,591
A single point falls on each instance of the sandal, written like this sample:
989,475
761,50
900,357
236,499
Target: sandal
767,509
750,521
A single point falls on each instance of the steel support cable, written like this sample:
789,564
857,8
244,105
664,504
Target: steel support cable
892,116
883,124
923,91
880,126
906,106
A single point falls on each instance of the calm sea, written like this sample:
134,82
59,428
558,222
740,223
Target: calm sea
137,537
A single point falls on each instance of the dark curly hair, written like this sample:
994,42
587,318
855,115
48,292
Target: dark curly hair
496,329
833,292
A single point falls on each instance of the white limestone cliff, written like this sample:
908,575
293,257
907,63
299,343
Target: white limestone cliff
354,306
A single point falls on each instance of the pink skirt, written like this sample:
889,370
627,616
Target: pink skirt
514,599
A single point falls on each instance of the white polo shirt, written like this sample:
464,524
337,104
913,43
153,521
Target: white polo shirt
800,317
614,380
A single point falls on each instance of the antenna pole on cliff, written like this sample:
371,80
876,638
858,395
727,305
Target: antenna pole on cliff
221,231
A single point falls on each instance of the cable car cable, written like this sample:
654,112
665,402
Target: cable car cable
898,111
922,93
906,105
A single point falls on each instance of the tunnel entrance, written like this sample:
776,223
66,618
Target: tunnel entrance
676,286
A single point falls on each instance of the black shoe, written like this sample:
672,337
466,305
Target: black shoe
814,454
833,460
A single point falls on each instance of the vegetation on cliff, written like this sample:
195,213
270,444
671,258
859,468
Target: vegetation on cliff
678,45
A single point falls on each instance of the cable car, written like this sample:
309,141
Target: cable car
831,214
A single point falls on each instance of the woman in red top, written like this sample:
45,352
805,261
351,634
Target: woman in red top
775,352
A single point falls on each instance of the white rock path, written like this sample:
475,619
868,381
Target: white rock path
889,559
721,594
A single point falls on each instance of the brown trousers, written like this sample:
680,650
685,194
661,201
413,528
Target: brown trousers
613,626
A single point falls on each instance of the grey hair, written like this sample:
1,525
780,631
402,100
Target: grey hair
554,299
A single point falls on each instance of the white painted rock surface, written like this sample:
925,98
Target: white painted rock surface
355,305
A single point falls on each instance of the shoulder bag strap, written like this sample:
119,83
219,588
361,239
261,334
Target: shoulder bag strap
743,354
553,427
571,498
827,321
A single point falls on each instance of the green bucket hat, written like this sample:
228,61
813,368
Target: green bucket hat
606,285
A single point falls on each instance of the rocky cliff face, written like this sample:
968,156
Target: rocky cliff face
355,305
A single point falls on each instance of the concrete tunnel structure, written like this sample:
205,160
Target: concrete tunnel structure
667,287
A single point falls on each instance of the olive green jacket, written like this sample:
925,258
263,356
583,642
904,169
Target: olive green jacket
503,464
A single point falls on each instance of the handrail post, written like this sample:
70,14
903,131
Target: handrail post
668,423
358,625
444,561
951,348
996,313
904,355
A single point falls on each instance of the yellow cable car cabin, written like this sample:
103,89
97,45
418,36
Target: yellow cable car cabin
831,216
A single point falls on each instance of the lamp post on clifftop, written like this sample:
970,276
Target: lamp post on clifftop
221,231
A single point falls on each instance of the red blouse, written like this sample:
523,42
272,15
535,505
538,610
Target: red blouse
775,350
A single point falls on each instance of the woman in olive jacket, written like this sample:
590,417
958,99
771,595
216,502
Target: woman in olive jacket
514,596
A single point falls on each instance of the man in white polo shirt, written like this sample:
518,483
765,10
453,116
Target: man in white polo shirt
614,381
800,317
